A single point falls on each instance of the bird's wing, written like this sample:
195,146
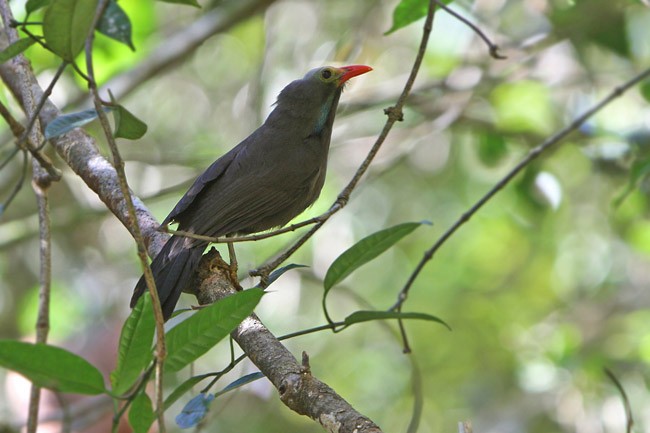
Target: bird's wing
211,174
246,206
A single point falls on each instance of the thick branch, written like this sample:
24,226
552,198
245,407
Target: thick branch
80,152
299,389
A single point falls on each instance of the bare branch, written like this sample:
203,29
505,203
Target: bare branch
299,389
118,162
45,278
494,49
530,157
626,400
41,180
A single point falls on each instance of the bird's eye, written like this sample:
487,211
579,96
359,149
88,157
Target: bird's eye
326,74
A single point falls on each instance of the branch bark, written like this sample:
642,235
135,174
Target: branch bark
299,390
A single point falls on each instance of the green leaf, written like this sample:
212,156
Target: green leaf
68,122
639,170
34,5
645,90
183,2
194,411
183,388
141,414
127,125
244,380
406,12
279,272
199,333
134,352
365,250
66,25
409,11
115,24
367,316
16,48
51,367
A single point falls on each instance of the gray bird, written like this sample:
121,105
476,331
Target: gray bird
263,182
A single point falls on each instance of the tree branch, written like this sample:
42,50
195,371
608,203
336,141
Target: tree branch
299,389
530,157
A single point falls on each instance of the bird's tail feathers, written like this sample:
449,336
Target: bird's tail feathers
173,270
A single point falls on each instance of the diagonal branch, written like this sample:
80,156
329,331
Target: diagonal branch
530,157
297,386
299,389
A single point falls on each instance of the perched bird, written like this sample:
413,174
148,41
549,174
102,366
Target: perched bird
263,182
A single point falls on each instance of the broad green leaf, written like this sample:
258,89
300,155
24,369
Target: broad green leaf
199,333
51,367
183,388
134,352
68,122
34,5
409,11
368,316
183,2
406,12
66,25
194,411
127,125
364,251
141,414
16,48
115,24
244,380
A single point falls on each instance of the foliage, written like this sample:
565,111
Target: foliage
543,287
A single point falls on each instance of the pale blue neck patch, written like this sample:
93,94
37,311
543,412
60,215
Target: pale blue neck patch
324,114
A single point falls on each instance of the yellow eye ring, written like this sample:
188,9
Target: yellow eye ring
326,74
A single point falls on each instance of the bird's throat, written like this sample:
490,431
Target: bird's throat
323,115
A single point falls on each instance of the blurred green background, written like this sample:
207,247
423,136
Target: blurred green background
545,287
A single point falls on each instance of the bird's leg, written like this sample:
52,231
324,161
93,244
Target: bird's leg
233,265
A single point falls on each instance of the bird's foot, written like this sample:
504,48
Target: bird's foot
232,270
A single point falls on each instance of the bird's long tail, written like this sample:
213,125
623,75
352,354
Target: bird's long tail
173,270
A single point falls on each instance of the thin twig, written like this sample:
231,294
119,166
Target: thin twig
394,114
40,184
250,238
134,227
45,279
494,49
41,180
16,189
531,156
626,401
22,134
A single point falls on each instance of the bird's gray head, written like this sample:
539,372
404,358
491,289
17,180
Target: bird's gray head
314,96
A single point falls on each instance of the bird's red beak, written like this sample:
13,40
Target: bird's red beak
352,71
